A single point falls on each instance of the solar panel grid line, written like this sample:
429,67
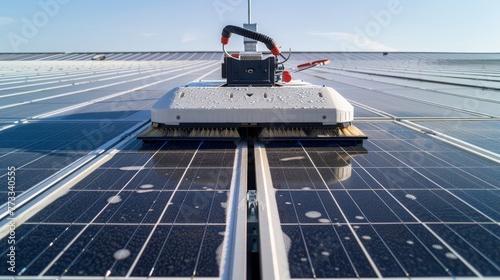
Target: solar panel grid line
468,131
437,73
50,184
161,56
112,72
102,86
34,70
123,56
179,55
428,86
63,224
412,108
464,145
235,242
32,57
431,78
367,255
172,56
137,56
143,248
115,70
396,68
83,57
308,254
470,74
49,56
154,56
472,268
41,79
203,55
46,269
191,56
346,253
373,110
131,56
305,247
444,106
416,218
72,107
66,57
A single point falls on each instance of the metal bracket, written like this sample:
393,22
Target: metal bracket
252,222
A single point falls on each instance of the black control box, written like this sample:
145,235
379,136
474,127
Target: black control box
243,72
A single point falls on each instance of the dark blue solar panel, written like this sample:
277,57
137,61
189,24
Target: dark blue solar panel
391,201
405,205
141,213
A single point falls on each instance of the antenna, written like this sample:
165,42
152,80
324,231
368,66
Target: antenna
249,11
250,44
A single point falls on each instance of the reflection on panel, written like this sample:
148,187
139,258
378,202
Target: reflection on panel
480,133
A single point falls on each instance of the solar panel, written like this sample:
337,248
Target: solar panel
169,205
353,214
480,133
419,199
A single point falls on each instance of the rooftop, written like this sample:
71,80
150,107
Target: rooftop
421,199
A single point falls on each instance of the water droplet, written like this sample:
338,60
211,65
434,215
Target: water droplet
114,199
146,186
143,191
121,254
288,203
323,220
313,214
366,237
450,255
347,238
410,242
131,168
292,158
306,188
360,218
411,197
325,253
437,247
303,259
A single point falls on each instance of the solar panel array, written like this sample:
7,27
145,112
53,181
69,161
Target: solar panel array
411,208
420,199
164,205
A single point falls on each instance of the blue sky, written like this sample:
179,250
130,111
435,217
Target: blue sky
302,25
